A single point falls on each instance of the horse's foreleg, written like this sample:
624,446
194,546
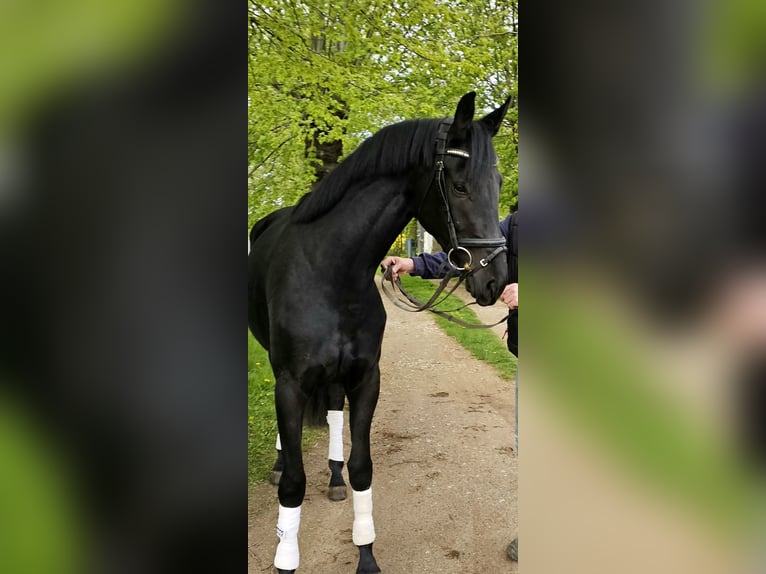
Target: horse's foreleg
336,396
290,402
362,402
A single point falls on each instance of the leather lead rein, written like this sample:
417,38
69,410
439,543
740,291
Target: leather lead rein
414,305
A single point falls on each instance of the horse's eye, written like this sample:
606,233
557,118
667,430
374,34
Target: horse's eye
459,188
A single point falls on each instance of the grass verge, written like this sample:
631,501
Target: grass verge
261,415
481,343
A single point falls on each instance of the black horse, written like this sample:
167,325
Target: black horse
313,303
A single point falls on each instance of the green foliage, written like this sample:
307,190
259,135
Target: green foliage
44,530
342,70
481,343
262,419
47,49
733,44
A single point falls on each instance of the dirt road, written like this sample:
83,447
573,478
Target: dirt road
444,486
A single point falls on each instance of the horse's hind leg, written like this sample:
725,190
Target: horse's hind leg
279,465
290,402
336,396
362,401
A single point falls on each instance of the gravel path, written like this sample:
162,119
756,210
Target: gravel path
444,486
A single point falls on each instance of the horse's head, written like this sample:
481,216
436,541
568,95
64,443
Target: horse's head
459,205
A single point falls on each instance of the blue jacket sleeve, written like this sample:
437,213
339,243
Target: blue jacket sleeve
505,225
431,265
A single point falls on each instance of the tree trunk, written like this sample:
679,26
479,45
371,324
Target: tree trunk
325,153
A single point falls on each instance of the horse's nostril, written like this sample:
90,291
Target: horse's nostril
491,286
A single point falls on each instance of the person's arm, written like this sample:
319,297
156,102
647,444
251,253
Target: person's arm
505,225
398,265
425,265
510,295
431,265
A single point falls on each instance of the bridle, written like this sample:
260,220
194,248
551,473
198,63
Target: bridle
499,243
456,245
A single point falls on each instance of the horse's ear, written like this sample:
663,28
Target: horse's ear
463,118
493,120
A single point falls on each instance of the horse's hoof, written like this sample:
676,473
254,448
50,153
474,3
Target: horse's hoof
367,563
275,570
513,550
337,493
274,478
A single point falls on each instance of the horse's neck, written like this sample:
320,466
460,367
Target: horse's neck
371,217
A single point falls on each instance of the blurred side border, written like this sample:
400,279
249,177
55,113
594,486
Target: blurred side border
122,361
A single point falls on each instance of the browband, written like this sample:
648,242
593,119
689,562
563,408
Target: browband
441,141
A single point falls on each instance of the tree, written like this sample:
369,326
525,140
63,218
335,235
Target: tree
325,75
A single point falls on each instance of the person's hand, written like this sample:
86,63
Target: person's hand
398,265
510,295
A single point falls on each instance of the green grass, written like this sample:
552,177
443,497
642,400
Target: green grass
261,419
481,343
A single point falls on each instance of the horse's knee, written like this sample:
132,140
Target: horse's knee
292,488
360,473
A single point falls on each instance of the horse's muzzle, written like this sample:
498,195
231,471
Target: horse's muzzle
486,285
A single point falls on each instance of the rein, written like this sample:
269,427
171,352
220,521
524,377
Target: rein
414,305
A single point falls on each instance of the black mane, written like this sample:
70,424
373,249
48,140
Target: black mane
391,151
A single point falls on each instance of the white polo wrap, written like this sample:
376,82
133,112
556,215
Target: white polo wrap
364,528
287,556
279,443
335,420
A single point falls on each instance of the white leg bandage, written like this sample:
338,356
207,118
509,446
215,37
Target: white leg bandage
279,443
287,557
364,529
335,420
